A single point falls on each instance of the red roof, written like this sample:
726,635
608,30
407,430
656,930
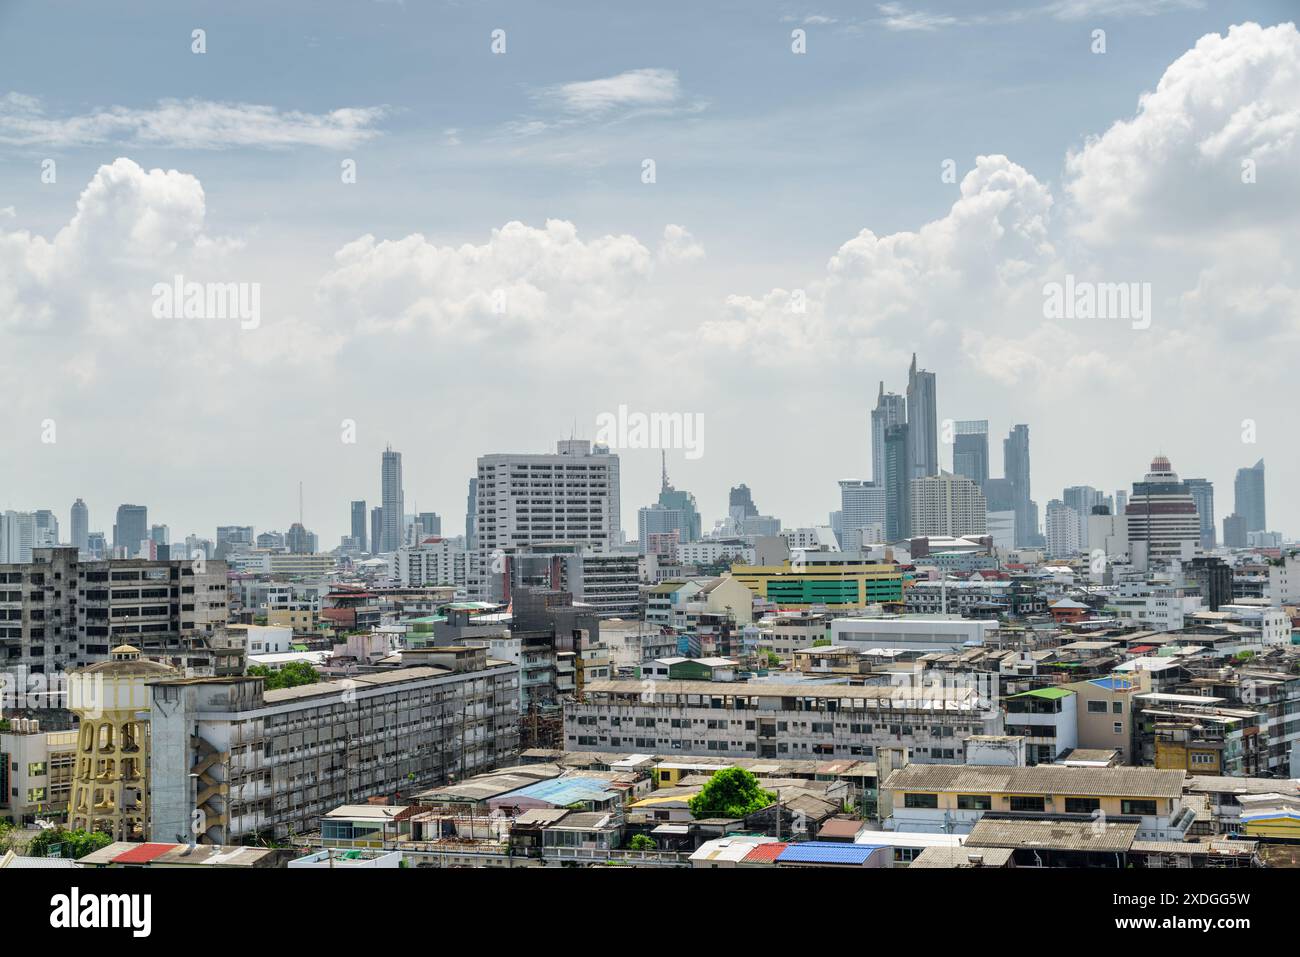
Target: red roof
144,853
1142,649
765,853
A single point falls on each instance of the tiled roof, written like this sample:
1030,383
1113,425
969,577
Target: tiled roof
765,853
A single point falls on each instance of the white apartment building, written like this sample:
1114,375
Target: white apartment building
569,496
1156,606
431,562
1284,581
708,551
947,504
1109,533
757,719
1063,527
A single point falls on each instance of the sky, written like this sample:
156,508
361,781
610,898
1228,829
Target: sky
458,249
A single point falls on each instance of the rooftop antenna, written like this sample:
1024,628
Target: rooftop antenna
663,457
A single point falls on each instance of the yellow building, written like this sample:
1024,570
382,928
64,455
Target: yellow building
838,586
110,782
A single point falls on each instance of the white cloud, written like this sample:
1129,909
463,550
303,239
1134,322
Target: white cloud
679,246
634,88
186,124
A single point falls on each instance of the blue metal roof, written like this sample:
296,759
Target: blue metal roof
562,791
828,852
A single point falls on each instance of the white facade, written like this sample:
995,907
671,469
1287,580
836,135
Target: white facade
924,634
1063,525
432,562
947,504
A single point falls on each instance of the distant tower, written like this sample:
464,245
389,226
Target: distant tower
80,525
110,783
391,502
1249,497
922,422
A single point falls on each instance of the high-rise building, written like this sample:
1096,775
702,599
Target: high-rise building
1203,494
130,529
17,536
1162,514
947,504
358,524
740,504
1234,531
47,528
391,502
300,541
922,422
1015,466
571,495
430,523
970,451
863,515
471,519
1063,524
1082,499
891,409
1249,497
898,485
80,524
160,534
1214,578
376,529
234,538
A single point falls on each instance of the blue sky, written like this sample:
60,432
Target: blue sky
773,164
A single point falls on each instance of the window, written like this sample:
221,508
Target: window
1026,803
1119,727
1141,808
1081,805
921,800
1117,707
974,802
1096,707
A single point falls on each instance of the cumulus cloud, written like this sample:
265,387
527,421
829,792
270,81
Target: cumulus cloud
679,246
522,279
1178,163
186,124
633,88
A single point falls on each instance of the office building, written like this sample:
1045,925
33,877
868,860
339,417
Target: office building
863,518
571,495
1062,525
17,536
890,410
922,422
898,484
392,502
80,525
1249,497
1203,495
740,504
130,529
1162,516
1015,467
358,525
970,451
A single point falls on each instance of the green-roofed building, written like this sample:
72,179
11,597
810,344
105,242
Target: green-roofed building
1047,719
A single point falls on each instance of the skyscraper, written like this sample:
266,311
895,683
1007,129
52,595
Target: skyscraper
891,409
391,502
947,504
80,525
376,528
131,528
898,486
359,524
1203,494
862,508
47,529
430,523
740,504
1162,513
1015,466
922,422
1249,497
970,451
683,501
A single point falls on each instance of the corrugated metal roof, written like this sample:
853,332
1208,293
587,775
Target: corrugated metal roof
829,852
1043,779
765,853
1099,835
143,854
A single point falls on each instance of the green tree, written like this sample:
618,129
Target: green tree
731,792
292,675
75,844
642,842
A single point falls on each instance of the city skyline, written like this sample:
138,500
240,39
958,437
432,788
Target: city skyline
378,295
